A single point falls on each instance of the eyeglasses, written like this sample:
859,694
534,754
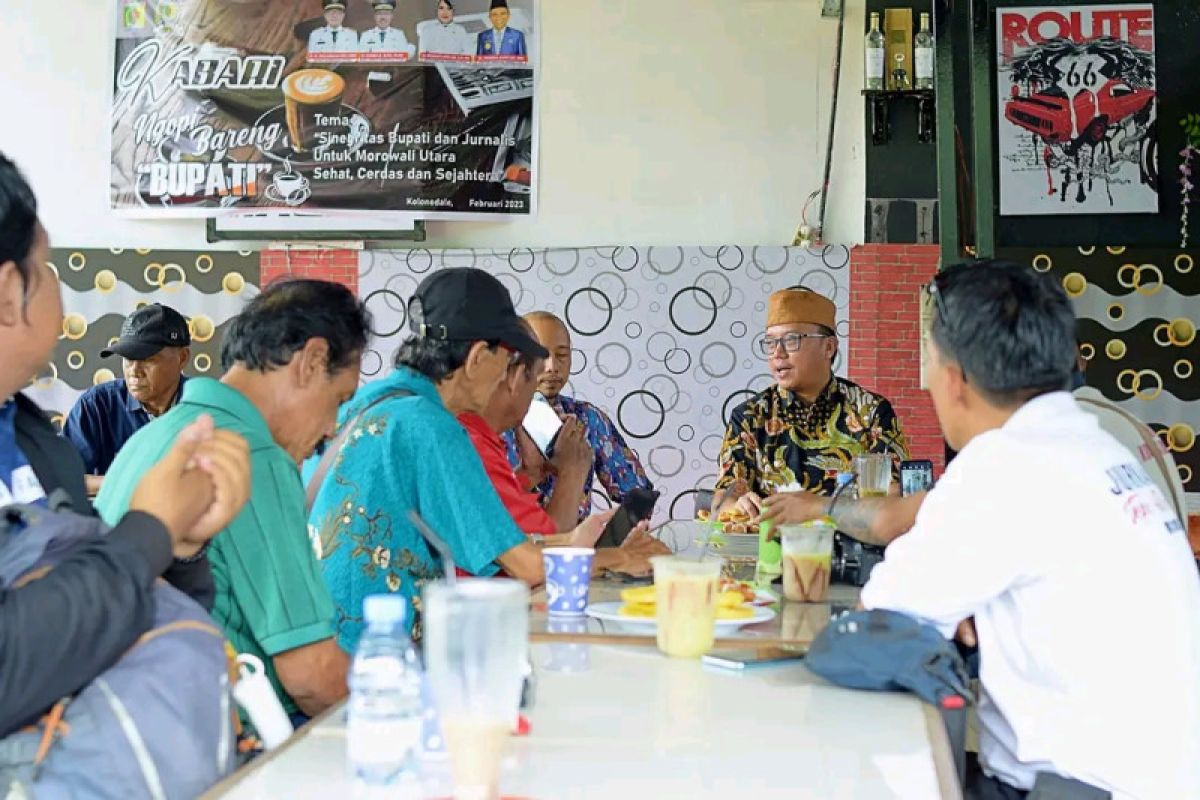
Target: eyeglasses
939,302
514,356
791,342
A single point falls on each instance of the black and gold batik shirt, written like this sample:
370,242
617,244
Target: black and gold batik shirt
776,439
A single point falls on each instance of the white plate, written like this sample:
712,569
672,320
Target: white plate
764,597
610,612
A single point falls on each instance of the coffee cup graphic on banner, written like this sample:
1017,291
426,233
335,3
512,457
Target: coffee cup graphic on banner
289,187
310,95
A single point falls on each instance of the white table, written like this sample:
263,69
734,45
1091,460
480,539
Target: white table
636,724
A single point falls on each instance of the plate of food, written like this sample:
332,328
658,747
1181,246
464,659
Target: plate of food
730,521
635,611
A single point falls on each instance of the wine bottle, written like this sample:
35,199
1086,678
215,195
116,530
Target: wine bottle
923,55
875,55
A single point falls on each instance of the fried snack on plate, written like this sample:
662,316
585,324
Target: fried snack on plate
733,514
642,610
639,594
746,590
704,515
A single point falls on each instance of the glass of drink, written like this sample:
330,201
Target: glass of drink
874,474
685,592
807,557
476,650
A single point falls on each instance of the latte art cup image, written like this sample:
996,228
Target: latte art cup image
309,94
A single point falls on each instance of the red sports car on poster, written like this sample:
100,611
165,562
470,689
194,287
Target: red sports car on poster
1060,120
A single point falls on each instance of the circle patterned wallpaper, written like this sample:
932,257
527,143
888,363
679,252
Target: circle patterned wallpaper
100,287
664,338
1138,309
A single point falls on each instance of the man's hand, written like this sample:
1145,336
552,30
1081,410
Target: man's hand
198,486
641,543
534,465
750,503
966,633
572,450
638,549
588,532
792,508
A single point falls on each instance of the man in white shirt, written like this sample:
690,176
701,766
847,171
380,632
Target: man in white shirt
332,37
1052,537
383,38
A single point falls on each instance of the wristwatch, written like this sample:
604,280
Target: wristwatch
537,538
199,554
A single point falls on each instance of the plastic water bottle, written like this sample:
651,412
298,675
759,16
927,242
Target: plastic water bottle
384,716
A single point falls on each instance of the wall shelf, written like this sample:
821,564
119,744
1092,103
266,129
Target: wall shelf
879,103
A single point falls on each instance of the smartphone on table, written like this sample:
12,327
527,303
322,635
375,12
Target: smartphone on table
915,477
751,657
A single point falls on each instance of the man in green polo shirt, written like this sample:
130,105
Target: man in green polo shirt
292,357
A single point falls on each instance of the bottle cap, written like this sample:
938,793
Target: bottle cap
383,608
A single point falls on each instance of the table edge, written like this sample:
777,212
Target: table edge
944,765
243,772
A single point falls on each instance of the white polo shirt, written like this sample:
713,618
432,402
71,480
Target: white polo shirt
1086,602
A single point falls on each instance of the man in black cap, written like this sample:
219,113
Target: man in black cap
500,40
153,347
383,38
401,448
332,37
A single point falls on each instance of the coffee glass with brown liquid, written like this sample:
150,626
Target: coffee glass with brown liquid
807,560
309,95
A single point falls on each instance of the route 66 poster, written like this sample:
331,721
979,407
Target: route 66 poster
1077,110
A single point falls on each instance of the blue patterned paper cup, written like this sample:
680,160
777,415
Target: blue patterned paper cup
568,575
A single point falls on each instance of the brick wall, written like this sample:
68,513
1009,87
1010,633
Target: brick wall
311,262
885,286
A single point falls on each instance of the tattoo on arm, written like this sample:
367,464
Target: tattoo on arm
858,518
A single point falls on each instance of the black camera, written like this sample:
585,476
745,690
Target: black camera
853,560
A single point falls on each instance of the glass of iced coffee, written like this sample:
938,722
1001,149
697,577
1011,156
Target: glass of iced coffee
874,472
685,593
807,557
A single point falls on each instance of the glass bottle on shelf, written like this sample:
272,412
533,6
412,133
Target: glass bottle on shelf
923,55
875,55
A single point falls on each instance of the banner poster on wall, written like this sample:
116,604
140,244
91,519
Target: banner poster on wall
1077,109
424,107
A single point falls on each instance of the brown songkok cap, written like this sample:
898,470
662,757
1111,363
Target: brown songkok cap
791,306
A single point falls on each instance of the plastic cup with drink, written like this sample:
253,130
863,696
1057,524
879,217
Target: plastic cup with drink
874,474
807,560
568,576
476,653
685,593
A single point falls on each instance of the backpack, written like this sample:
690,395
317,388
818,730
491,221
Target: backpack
156,724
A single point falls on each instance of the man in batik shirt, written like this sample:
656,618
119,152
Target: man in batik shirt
810,425
616,466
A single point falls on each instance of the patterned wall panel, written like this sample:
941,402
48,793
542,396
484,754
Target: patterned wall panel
665,338
1138,310
99,287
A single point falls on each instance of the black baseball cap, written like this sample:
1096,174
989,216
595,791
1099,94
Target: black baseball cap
148,330
468,304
